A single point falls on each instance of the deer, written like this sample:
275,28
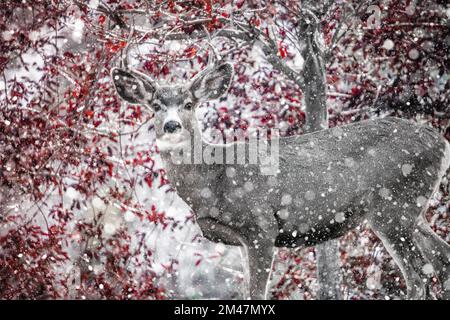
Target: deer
382,172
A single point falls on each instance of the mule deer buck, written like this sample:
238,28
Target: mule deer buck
381,171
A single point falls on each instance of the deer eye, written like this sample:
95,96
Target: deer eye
188,106
156,107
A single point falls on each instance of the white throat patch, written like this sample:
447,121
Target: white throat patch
173,141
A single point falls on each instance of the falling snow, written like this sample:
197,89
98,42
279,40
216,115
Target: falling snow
86,194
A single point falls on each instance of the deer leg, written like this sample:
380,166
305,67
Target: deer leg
437,252
246,270
399,242
258,260
260,263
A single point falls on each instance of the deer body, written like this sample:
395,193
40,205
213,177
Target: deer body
383,171
342,170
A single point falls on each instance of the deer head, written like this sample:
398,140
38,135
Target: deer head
173,106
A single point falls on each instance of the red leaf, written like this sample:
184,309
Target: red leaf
190,52
88,114
355,91
148,179
282,51
110,169
208,7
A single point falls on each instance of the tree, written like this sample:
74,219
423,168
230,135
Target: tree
84,198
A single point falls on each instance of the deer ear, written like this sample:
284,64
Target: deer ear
212,83
133,86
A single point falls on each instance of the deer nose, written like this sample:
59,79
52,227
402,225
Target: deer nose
171,126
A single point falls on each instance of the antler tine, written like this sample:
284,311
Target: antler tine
212,60
124,53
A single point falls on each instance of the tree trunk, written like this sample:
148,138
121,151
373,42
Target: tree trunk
314,92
